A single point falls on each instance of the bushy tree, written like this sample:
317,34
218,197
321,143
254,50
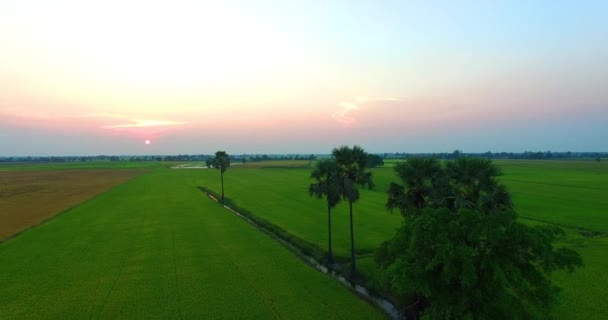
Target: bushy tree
327,185
221,162
460,253
352,168
374,160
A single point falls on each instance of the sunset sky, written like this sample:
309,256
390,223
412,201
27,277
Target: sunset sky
102,77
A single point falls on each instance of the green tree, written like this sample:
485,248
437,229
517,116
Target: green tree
327,185
460,253
421,180
374,160
473,184
221,162
352,165
461,183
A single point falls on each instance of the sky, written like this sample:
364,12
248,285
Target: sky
193,77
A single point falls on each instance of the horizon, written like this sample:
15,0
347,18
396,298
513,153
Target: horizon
147,78
321,154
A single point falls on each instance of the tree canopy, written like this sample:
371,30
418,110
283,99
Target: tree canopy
460,253
374,160
461,183
221,161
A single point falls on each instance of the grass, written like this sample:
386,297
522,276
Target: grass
155,247
572,194
281,197
569,193
30,197
583,294
275,164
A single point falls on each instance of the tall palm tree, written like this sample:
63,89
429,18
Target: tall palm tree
352,165
221,162
327,185
423,180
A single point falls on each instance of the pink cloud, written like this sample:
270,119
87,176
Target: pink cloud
140,123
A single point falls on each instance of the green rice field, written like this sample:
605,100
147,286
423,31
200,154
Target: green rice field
571,194
156,247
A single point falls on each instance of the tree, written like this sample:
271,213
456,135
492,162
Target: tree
460,253
473,184
455,154
221,162
352,165
462,183
209,163
420,177
327,185
374,160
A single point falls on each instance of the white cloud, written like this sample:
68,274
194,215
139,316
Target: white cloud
345,115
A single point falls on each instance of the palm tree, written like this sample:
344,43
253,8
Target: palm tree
421,178
352,165
327,185
221,162
462,183
474,185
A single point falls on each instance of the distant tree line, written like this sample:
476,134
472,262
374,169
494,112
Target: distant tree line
526,155
106,158
265,157
374,159
181,157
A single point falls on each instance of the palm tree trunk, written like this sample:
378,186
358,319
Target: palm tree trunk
353,268
222,177
330,256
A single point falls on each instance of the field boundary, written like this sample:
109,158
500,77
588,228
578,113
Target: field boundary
381,302
589,233
554,184
60,213
64,211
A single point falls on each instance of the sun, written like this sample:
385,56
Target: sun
147,141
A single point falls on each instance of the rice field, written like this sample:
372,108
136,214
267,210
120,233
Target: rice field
571,194
156,247
28,198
